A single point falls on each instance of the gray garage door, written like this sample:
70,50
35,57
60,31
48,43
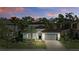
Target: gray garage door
50,36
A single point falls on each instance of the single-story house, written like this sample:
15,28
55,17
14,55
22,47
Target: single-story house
42,34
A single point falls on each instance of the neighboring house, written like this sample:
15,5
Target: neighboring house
13,29
75,29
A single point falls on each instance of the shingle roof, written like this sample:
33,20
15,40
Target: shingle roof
52,30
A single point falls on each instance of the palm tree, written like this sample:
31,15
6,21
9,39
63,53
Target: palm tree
28,19
69,19
76,18
59,21
69,16
45,21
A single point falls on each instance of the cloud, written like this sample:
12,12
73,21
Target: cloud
51,14
34,16
5,10
68,9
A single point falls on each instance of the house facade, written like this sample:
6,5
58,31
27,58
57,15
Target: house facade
41,33
72,29
13,29
75,29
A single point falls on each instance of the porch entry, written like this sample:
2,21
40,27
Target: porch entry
40,36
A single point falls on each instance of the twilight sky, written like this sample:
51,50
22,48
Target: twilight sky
36,12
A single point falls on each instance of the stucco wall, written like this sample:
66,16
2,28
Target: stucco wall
36,35
77,26
28,36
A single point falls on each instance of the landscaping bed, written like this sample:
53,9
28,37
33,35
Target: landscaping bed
38,44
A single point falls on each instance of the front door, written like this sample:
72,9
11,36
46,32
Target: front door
40,37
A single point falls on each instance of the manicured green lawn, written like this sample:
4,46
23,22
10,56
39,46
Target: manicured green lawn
32,44
71,44
26,44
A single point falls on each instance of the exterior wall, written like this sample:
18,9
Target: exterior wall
43,36
36,35
76,31
65,32
28,36
58,36
78,26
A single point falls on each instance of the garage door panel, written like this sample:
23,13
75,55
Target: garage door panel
50,36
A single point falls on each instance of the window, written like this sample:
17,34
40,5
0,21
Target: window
74,26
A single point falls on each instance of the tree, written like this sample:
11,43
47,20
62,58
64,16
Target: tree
69,16
59,21
61,18
5,37
76,18
46,22
21,26
28,21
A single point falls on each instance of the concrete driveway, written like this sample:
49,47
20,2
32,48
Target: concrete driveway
54,45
